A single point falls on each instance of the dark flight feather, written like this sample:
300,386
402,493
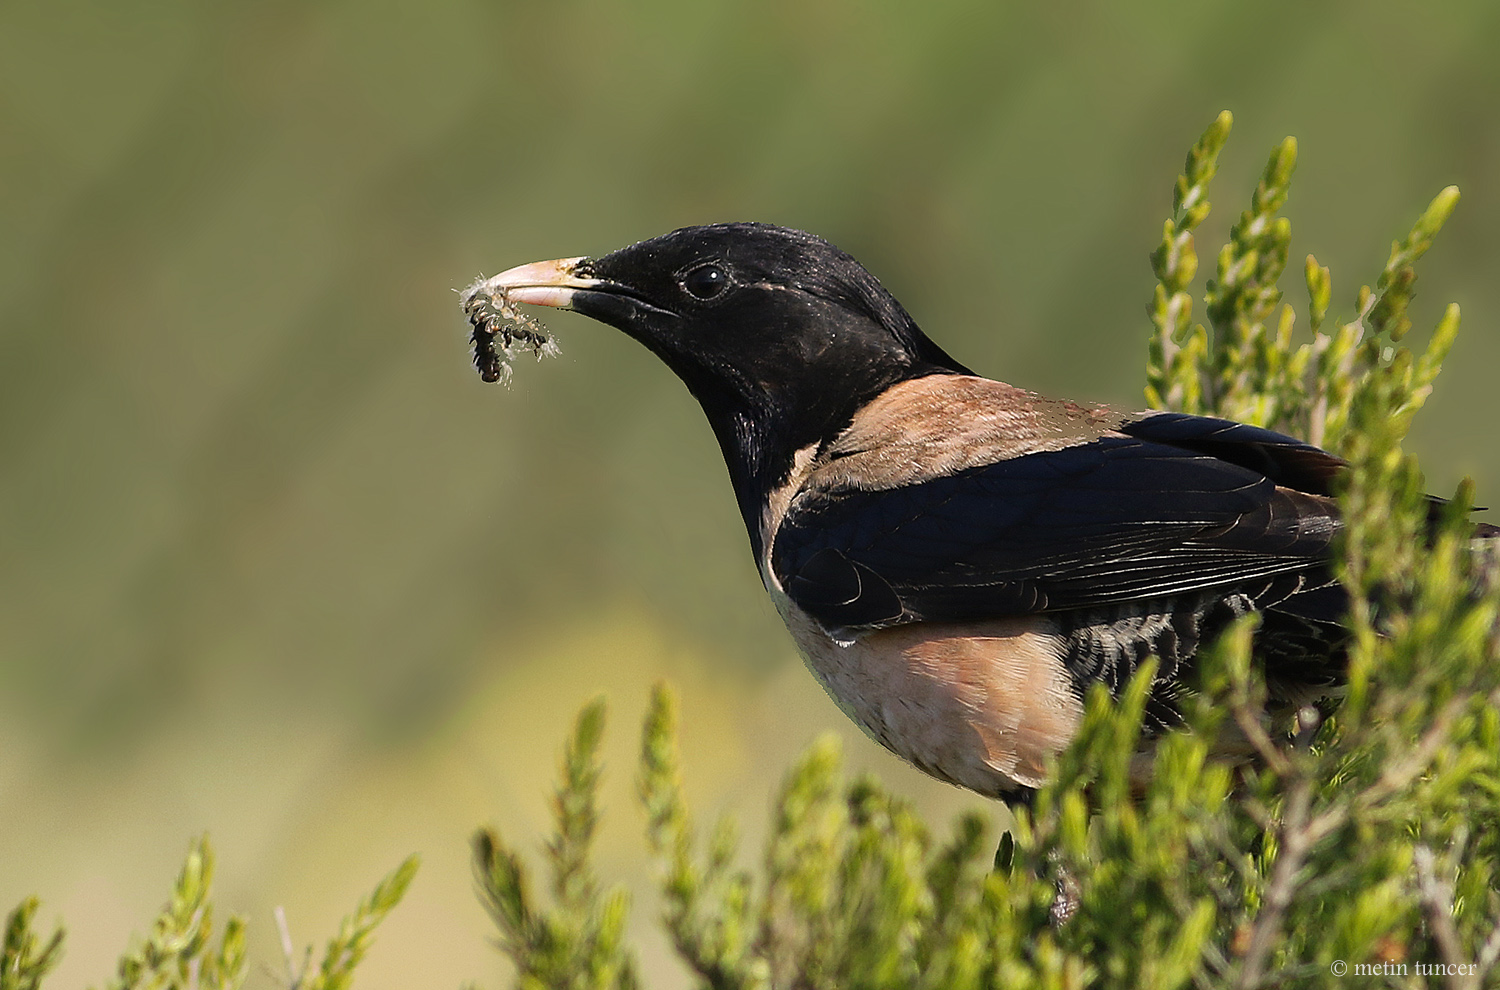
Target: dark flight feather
1115,519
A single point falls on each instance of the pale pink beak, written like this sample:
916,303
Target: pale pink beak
541,283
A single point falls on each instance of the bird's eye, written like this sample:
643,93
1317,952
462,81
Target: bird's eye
705,281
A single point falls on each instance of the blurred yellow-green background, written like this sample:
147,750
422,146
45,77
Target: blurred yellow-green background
275,565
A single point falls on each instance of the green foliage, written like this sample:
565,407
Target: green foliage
579,942
22,963
348,947
180,954
1179,347
856,892
1357,842
1250,370
179,951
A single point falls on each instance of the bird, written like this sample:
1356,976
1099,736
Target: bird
957,559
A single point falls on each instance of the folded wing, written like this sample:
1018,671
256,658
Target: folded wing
1170,505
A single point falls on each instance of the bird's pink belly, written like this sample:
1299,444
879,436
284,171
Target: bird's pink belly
983,705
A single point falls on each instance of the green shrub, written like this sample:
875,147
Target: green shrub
180,954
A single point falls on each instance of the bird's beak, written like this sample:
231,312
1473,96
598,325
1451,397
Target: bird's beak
541,283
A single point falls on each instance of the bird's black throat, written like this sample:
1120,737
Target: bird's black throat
779,335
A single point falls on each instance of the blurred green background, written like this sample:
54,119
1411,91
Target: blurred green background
275,564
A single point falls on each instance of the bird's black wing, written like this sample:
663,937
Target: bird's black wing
1285,460
1178,505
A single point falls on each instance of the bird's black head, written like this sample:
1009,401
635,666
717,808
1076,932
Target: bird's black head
778,334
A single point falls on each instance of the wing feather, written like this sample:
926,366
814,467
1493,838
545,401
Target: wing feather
1118,518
